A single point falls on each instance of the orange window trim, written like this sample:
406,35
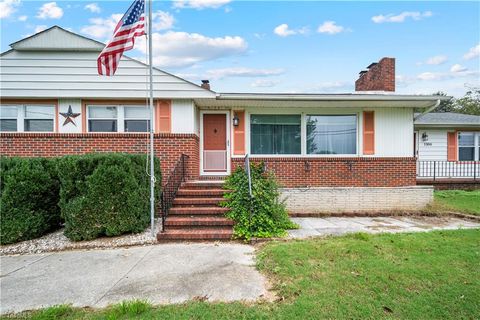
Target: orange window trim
239,134
368,132
53,102
452,140
164,116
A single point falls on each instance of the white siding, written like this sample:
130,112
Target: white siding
69,74
63,105
435,147
183,116
394,132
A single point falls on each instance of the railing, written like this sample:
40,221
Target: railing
169,190
448,169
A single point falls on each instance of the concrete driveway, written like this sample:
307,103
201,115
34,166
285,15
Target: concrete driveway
168,273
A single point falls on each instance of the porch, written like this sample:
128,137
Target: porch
449,174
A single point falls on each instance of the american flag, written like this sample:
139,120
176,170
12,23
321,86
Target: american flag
130,26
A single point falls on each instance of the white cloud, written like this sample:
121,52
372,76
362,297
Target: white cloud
458,68
472,53
330,27
181,49
414,15
436,60
199,4
438,76
264,83
162,20
7,7
283,30
102,28
40,28
22,18
259,35
93,7
50,10
242,72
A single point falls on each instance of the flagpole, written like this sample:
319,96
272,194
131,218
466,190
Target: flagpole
152,153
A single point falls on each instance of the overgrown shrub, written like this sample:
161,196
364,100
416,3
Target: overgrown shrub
263,215
29,198
105,194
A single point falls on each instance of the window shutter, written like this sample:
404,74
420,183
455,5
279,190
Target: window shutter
368,132
451,146
164,117
239,134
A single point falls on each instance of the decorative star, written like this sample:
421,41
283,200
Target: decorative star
69,116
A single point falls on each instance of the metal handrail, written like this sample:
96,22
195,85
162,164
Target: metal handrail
247,168
448,169
170,189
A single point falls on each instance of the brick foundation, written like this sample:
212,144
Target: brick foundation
339,172
168,146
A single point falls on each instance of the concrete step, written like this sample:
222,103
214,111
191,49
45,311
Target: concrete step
192,211
175,222
195,234
196,201
212,193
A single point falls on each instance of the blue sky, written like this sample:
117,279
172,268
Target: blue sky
282,46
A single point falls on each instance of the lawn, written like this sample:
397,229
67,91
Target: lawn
434,275
459,200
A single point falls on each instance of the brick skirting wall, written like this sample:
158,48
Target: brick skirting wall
339,172
168,146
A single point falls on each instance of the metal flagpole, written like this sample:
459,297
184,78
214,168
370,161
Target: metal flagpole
152,153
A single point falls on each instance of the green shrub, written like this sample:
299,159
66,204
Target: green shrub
105,194
29,198
263,215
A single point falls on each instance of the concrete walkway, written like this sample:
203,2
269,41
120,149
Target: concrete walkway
167,273
313,227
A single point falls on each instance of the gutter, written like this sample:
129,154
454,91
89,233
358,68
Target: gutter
327,97
428,110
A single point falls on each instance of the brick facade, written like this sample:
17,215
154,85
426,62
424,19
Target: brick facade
379,77
168,146
339,172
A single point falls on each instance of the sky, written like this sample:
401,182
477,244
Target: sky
283,46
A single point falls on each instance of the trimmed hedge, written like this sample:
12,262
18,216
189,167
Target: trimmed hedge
29,198
105,194
264,215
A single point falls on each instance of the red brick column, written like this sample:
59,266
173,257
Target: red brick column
339,172
168,147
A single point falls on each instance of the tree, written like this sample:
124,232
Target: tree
469,103
445,106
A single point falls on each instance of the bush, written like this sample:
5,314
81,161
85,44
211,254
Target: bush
29,198
105,194
263,215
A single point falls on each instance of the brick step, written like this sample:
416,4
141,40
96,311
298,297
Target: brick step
196,201
196,234
213,193
175,222
192,211
202,185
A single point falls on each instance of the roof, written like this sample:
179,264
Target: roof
448,119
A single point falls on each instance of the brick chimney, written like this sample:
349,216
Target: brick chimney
380,76
205,84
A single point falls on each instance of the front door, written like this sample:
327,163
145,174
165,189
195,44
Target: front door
214,143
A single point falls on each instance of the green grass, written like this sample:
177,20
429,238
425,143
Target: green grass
459,201
434,275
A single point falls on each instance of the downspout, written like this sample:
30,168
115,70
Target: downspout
428,110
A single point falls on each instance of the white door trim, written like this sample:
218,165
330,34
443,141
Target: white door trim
227,119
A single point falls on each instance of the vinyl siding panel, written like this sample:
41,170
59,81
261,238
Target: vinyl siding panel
394,132
435,147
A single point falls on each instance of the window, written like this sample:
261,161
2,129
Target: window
118,118
136,119
331,134
275,134
23,118
39,118
8,118
468,146
102,119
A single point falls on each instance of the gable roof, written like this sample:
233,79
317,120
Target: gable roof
448,119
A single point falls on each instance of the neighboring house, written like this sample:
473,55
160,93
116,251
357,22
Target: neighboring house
331,152
447,146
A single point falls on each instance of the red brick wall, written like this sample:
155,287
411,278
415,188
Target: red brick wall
168,147
340,172
380,77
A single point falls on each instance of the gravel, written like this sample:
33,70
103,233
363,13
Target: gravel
56,241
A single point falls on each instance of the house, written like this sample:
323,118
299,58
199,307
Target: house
330,152
447,146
